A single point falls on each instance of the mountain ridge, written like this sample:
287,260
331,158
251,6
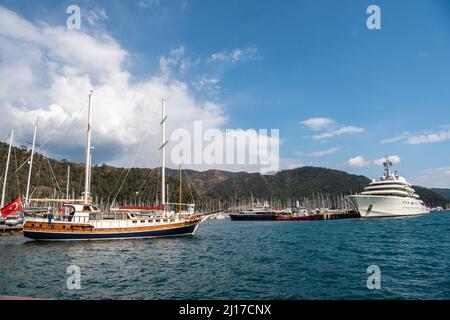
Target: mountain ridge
49,178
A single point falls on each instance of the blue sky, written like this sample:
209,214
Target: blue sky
278,64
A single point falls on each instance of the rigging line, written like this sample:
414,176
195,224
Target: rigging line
151,185
128,172
143,185
38,172
20,167
121,185
150,191
32,192
53,175
73,117
132,162
80,182
15,163
116,180
193,185
189,185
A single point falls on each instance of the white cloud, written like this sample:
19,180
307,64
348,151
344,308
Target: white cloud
95,16
395,139
318,123
393,159
328,128
46,73
148,3
433,178
174,62
235,55
429,138
358,162
323,152
405,135
207,83
338,132
421,138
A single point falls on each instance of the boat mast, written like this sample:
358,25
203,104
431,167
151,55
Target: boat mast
163,154
179,198
6,172
68,180
90,171
29,170
87,186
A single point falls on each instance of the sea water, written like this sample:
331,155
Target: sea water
242,260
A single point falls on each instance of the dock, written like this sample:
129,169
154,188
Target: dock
10,231
322,216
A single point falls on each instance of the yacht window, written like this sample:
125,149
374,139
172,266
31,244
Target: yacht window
86,208
95,216
109,216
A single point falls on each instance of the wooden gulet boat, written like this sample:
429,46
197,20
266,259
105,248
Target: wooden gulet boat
84,221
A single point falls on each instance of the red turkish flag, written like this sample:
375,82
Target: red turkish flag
12,207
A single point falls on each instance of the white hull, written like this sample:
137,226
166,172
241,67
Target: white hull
372,206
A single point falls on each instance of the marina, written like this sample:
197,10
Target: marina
224,150
243,260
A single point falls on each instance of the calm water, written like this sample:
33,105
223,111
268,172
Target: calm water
239,260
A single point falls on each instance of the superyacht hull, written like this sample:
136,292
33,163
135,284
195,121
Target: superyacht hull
372,206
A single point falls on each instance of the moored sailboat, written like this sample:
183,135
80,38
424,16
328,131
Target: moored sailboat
84,221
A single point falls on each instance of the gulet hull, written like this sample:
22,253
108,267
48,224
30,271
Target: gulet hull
67,231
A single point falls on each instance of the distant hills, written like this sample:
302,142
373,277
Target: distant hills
142,185
442,192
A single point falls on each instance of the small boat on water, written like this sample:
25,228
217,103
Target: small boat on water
13,220
84,221
260,213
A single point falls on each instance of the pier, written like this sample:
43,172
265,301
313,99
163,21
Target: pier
10,231
322,216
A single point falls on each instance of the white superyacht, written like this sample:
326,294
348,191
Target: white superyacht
389,196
